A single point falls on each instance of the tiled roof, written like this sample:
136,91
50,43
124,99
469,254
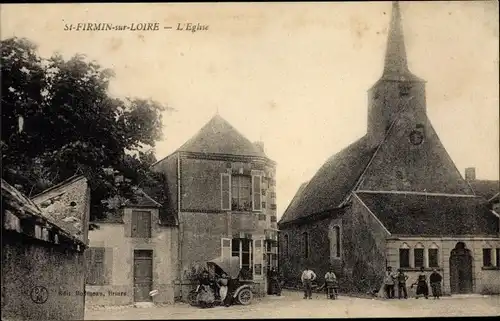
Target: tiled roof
485,188
220,137
333,181
67,204
18,203
431,214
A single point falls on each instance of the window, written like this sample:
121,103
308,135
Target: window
404,89
141,224
225,190
257,193
498,257
242,248
240,193
285,246
336,230
433,256
487,257
418,254
28,227
226,248
404,256
305,244
95,266
271,254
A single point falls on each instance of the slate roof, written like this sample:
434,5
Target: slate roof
431,214
219,137
485,188
21,206
332,182
67,204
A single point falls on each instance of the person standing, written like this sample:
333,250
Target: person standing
402,277
331,284
307,277
274,287
435,280
422,288
389,283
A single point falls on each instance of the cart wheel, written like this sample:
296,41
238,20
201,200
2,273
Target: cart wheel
245,296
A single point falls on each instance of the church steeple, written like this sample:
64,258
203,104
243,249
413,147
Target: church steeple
396,63
398,88
395,55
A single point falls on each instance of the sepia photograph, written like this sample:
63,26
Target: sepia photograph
247,160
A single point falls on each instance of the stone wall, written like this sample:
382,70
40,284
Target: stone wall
293,261
485,280
29,265
363,249
119,258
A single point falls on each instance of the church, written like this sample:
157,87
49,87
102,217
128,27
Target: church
393,198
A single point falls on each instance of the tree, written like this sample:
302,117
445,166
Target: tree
58,120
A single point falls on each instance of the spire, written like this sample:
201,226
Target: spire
395,55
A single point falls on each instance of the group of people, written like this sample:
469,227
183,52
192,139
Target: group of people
209,290
391,279
330,285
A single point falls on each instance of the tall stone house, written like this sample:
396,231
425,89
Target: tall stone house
393,198
222,191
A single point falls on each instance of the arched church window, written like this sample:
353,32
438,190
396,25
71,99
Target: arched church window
336,237
433,253
404,256
305,244
418,254
285,245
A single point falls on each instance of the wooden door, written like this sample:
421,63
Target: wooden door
143,275
460,270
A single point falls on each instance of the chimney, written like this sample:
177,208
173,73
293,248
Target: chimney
470,173
259,145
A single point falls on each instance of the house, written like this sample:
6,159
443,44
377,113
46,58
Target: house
393,198
222,191
43,243
489,189
132,252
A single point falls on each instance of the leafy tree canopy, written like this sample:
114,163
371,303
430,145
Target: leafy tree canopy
59,120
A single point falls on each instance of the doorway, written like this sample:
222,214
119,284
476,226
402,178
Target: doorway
143,275
460,270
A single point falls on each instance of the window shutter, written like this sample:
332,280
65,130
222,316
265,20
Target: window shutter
225,192
257,193
225,248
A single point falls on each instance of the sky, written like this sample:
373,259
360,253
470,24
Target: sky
293,75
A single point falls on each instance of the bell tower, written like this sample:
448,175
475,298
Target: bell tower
398,89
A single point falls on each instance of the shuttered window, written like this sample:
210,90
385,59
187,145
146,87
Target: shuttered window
225,192
257,193
141,224
240,193
225,248
96,272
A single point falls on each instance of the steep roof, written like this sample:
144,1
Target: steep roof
333,181
67,204
485,188
293,204
219,137
431,214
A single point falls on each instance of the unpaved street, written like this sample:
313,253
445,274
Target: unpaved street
291,305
